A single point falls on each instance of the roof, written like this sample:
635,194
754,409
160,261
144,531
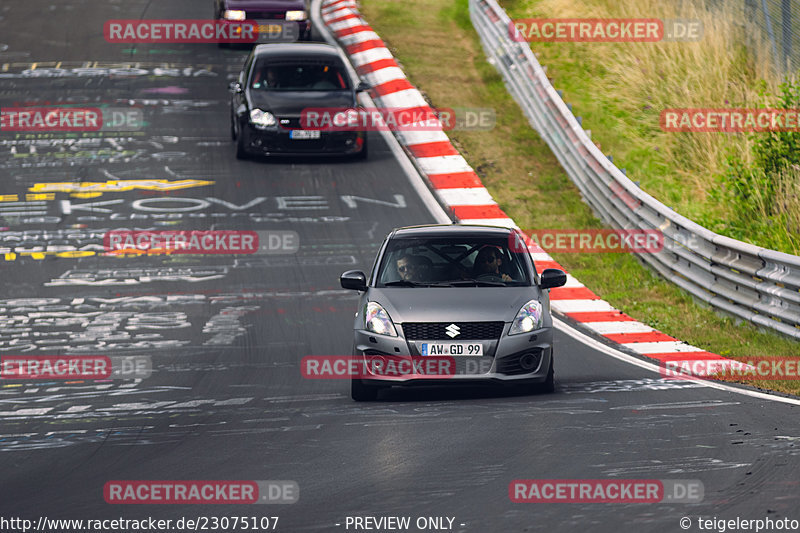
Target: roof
444,230
298,50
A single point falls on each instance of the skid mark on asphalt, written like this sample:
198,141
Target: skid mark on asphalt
681,465
628,385
699,404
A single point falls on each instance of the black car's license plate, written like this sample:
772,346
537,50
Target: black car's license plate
304,134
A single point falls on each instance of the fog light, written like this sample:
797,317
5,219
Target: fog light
376,364
529,361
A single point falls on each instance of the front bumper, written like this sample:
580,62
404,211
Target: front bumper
510,360
278,142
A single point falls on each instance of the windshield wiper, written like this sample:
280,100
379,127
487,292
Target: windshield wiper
475,282
405,283
409,283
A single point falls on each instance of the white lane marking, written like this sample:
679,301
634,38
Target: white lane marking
346,23
501,222
370,56
383,75
412,137
661,347
606,328
359,37
407,98
580,306
443,164
472,196
572,282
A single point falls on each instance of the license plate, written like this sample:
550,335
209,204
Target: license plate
304,134
452,348
270,28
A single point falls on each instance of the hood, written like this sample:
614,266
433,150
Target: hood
266,5
452,304
292,103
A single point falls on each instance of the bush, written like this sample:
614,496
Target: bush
765,192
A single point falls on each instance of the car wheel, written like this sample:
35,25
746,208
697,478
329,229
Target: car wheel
362,393
549,384
233,130
241,151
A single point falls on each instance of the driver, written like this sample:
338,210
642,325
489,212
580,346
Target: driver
271,78
487,263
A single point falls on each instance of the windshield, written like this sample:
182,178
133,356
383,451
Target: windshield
451,262
298,76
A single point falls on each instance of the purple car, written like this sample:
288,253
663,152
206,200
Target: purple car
278,20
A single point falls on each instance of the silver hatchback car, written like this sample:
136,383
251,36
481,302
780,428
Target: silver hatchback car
467,295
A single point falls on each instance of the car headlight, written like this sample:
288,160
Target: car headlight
262,119
234,14
296,15
345,119
529,318
377,320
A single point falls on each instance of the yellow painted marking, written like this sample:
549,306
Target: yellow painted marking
92,189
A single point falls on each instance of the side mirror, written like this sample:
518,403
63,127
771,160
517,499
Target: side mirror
235,87
363,86
552,277
354,279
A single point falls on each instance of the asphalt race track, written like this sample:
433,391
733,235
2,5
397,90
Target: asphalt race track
225,334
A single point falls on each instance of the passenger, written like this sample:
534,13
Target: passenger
414,267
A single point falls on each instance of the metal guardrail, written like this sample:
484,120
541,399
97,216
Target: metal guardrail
752,283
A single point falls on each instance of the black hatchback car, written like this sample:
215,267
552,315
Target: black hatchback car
277,83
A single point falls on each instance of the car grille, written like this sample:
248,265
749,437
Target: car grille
266,15
438,331
292,124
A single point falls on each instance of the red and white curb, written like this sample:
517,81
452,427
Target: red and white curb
457,186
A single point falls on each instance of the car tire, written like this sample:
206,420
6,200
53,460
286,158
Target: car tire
241,151
363,393
233,130
549,384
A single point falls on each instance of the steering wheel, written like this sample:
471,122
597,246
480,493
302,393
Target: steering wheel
489,277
